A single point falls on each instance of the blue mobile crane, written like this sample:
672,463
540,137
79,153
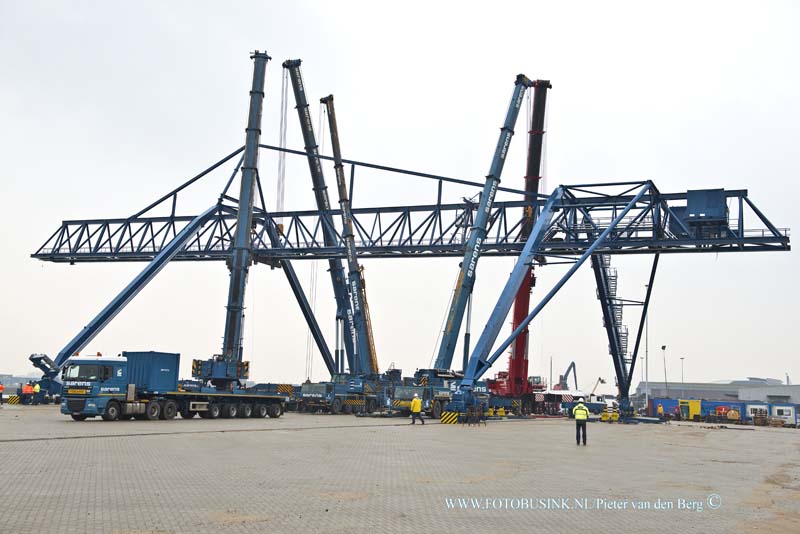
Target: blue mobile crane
477,234
358,289
355,345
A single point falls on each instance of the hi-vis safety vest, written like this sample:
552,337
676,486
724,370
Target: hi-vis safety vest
580,412
416,405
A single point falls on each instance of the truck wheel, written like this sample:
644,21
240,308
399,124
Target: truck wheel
169,411
112,411
153,410
187,414
78,417
372,406
245,410
336,407
436,412
274,411
260,410
348,409
213,411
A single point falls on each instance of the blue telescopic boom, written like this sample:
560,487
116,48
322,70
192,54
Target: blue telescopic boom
466,278
344,313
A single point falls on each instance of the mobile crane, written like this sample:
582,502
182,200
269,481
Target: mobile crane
358,292
477,234
355,346
367,391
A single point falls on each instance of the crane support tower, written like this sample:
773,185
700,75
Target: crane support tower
365,340
344,312
229,368
477,234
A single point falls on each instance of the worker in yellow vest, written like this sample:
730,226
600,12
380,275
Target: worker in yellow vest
581,414
416,409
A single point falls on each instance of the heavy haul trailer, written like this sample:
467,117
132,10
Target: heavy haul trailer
290,391
144,385
347,394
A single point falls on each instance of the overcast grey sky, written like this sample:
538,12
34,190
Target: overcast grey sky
104,106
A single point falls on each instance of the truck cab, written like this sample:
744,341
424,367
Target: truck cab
90,382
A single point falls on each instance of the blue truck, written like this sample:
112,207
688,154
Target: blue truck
346,393
145,385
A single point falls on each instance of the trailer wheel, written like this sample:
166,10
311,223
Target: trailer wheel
78,417
112,411
230,410
245,410
437,410
274,411
153,410
213,410
188,414
169,410
336,407
259,410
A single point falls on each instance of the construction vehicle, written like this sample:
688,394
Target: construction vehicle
365,341
345,393
144,385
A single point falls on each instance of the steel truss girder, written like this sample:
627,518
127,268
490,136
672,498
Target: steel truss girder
421,231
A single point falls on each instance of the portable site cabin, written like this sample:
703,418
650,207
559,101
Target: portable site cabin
755,410
785,411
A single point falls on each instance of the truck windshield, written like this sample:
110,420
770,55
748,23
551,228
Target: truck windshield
83,371
407,392
314,388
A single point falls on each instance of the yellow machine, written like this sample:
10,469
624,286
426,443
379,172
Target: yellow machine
690,409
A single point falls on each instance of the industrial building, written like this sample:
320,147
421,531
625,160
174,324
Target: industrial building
748,389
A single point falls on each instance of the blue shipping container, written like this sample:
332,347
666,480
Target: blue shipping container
153,372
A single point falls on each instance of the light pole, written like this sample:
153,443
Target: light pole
683,391
664,354
646,357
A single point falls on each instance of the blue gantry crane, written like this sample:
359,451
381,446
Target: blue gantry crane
573,224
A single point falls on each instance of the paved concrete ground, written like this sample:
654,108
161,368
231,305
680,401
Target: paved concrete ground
332,474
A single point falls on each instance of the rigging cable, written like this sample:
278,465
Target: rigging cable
441,327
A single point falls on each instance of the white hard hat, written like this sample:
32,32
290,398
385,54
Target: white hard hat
416,395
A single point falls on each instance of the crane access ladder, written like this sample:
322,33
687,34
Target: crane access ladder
615,305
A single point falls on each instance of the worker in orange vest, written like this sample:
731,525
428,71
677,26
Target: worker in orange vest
27,393
2,387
